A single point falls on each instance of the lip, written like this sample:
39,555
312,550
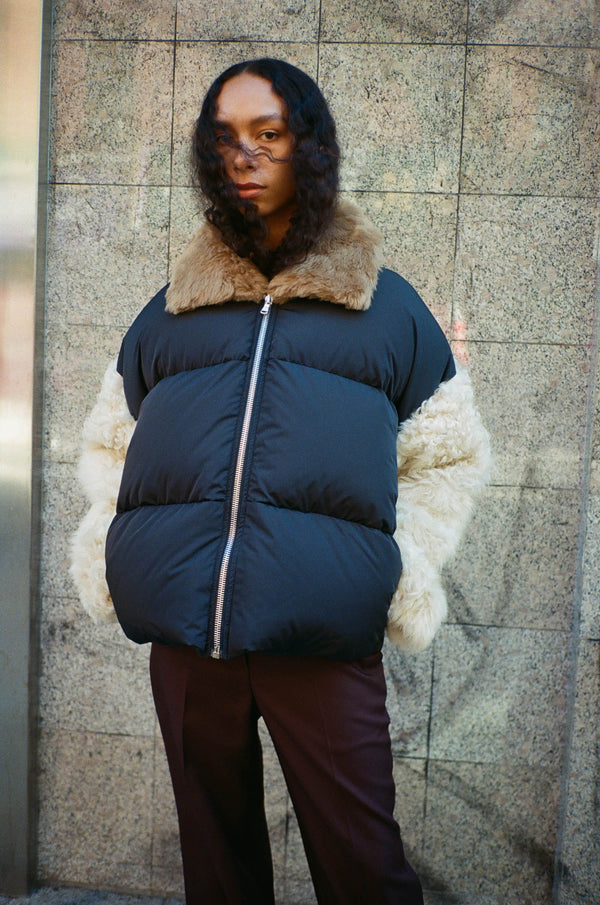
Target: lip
249,189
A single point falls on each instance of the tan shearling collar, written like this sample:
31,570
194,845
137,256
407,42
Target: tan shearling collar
341,268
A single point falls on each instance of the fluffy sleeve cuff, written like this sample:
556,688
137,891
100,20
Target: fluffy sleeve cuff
443,462
106,435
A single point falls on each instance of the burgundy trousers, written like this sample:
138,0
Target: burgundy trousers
329,726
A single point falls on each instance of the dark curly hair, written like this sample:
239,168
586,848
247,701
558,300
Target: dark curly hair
315,166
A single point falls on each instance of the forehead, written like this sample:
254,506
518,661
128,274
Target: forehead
247,97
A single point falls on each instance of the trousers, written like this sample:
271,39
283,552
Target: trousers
329,726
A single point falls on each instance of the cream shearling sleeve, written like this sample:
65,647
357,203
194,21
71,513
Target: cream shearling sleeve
106,435
444,461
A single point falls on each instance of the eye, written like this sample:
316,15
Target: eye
222,136
269,135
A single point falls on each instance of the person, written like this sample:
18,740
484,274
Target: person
278,464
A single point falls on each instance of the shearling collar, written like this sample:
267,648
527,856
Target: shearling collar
342,268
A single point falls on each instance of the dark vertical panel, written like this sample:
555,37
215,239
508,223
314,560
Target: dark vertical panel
22,78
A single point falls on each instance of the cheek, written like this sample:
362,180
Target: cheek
227,165
288,183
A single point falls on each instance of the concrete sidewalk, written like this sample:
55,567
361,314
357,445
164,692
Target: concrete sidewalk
85,897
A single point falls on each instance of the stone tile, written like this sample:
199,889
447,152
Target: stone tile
167,871
580,858
198,65
595,425
490,833
590,614
299,888
75,362
186,218
595,462
569,896
62,509
254,20
394,21
113,19
595,468
276,808
584,748
107,252
499,696
516,563
95,823
532,121
534,22
398,111
111,112
408,680
420,231
91,678
532,401
525,269
409,777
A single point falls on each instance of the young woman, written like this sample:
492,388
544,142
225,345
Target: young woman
301,458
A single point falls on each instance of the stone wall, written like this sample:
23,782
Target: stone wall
470,134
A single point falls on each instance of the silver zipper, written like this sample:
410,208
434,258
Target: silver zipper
237,480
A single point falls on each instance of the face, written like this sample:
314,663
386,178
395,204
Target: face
251,116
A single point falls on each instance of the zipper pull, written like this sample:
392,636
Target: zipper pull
267,302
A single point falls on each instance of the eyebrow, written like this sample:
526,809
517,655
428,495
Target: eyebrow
265,118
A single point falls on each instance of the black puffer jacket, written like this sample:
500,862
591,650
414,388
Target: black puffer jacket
257,506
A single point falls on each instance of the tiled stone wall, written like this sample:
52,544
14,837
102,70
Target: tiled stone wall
470,130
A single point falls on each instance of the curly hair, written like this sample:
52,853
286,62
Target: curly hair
314,159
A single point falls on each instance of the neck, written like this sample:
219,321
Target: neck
277,227
275,238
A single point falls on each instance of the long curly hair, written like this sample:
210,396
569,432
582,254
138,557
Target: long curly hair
315,167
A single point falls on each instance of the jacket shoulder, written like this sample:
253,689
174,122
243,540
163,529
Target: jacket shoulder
129,363
413,327
400,296
152,312
402,307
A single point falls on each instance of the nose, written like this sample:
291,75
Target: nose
242,157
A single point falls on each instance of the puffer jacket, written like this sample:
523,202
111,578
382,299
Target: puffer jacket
265,496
